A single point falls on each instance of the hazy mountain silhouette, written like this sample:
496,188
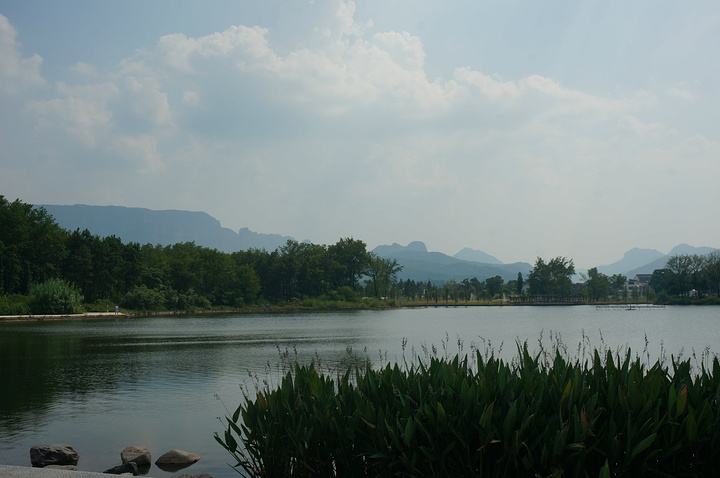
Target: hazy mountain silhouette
662,261
421,265
146,226
474,255
633,259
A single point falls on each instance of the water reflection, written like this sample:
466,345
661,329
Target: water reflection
104,385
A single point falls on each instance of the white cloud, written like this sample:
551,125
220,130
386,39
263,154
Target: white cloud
682,94
16,72
142,151
148,100
190,98
81,111
85,69
352,126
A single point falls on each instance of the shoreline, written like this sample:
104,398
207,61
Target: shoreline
126,315
40,318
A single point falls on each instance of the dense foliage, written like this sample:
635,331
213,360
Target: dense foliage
609,416
106,271
34,249
54,296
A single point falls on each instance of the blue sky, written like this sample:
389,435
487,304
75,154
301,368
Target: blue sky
519,128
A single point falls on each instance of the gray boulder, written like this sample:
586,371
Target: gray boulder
139,454
177,457
129,467
44,455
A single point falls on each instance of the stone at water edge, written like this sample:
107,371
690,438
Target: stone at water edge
129,467
177,457
44,455
61,467
139,454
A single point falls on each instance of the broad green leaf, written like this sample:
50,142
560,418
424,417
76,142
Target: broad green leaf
643,445
681,401
410,428
487,415
605,471
691,426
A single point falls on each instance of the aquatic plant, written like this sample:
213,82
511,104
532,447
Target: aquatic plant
602,413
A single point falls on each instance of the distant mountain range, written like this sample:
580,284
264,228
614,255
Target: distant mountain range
421,265
645,261
147,226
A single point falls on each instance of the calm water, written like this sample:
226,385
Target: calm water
102,385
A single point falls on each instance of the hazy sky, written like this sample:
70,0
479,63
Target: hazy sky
520,128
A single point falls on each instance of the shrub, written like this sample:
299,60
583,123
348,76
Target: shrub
14,305
142,298
55,296
609,416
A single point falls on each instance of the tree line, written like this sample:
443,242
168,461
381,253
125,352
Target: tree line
35,249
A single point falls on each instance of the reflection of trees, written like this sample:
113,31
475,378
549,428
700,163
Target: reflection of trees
39,368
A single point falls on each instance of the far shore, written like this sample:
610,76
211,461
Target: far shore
124,315
255,310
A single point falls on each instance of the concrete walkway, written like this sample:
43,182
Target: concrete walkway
25,472
87,315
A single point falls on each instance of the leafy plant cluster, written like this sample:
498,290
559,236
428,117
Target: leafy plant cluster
607,416
106,271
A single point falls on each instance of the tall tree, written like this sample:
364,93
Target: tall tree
382,273
349,262
32,246
682,268
597,284
519,284
552,278
711,271
493,285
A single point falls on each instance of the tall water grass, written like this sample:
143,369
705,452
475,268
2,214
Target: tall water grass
547,412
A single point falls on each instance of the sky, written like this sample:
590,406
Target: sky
521,128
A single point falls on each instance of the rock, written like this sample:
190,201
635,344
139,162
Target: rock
139,454
129,467
177,457
44,455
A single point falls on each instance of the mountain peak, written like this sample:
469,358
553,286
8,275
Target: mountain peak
418,246
681,249
474,255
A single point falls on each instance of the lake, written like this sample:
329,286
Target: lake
162,382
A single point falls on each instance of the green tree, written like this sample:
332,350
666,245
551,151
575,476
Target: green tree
519,284
32,246
552,278
493,285
477,287
597,284
617,282
683,268
382,273
711,271
349,261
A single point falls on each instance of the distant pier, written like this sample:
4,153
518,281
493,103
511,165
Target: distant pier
630,307
546,300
